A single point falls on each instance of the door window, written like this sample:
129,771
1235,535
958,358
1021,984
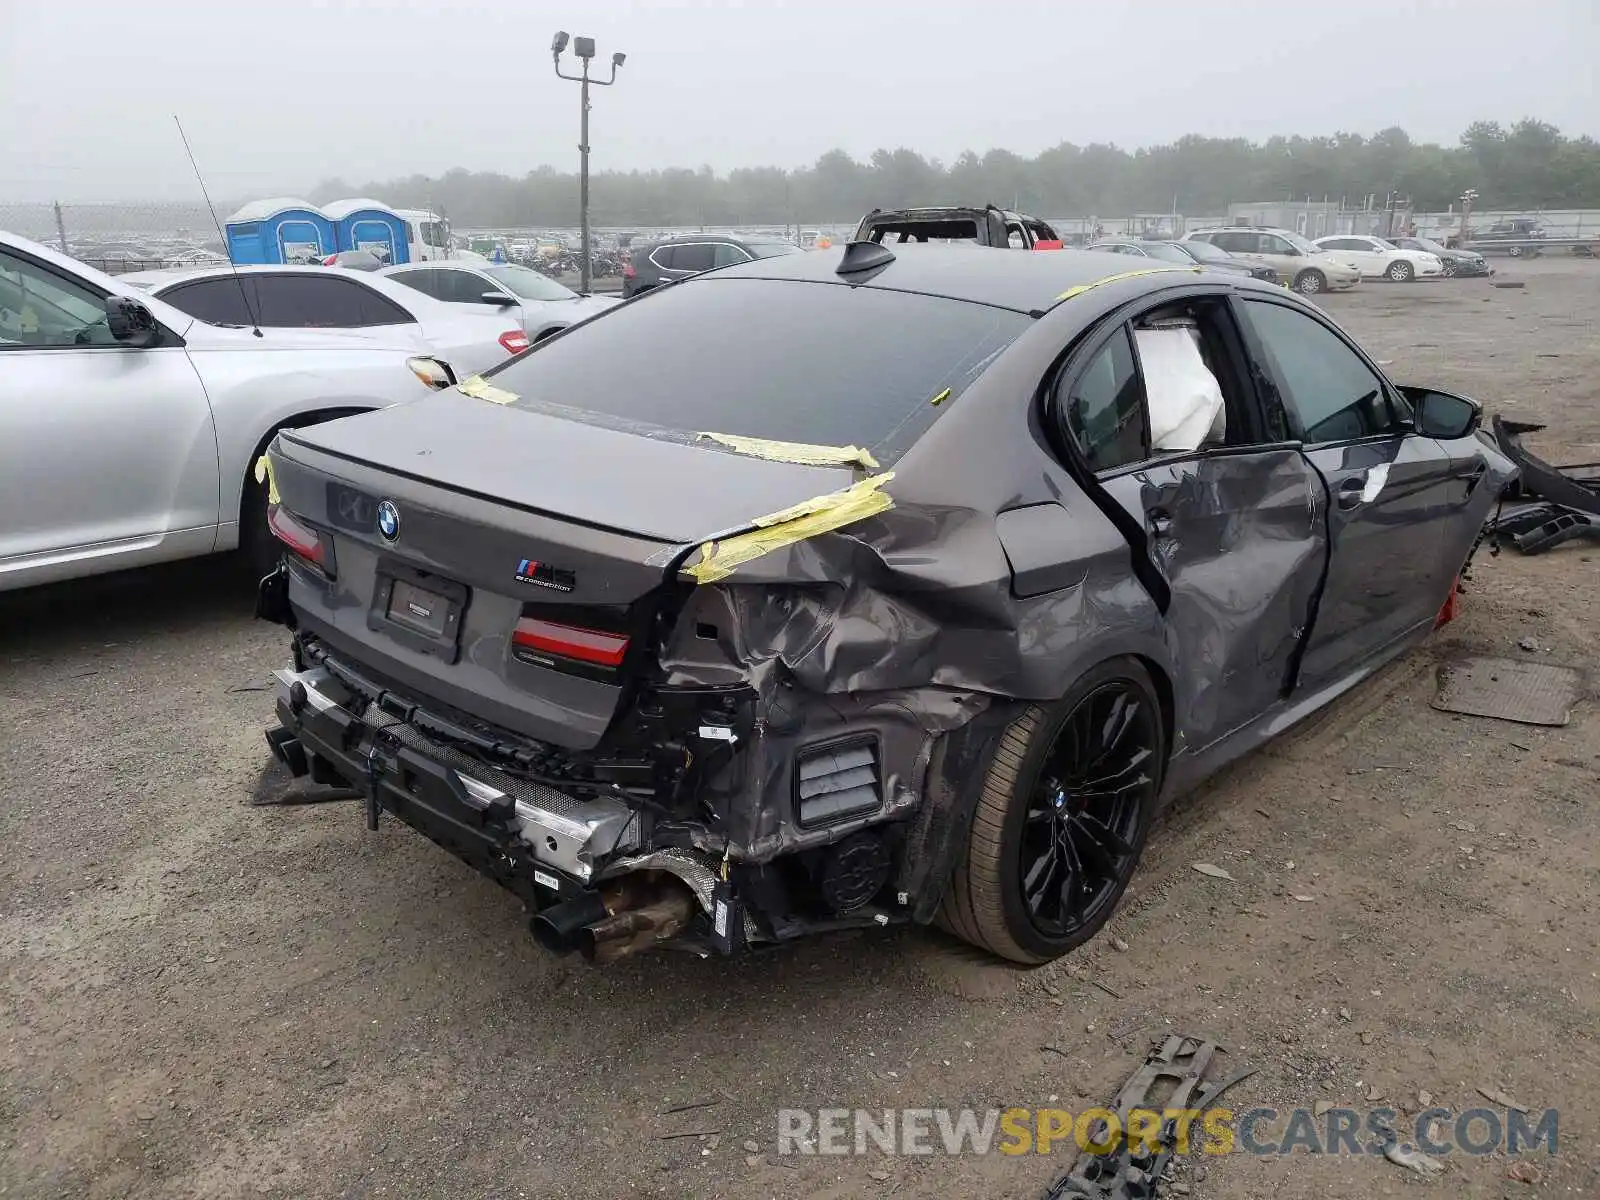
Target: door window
1325,383
429,283
323,302
1237,241
40,308
214,301
727,256
699,256
1105,410
1271,243
463,287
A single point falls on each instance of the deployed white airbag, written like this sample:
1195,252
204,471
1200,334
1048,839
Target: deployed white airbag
1185,401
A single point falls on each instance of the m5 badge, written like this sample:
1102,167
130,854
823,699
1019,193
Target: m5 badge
542,574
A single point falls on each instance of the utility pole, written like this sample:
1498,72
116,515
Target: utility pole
1467,197
61,229
583,47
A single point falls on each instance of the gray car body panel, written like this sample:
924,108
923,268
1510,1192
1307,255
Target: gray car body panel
1001,573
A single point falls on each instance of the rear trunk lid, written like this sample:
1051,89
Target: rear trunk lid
522,559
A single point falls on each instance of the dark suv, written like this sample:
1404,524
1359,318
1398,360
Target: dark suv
689,254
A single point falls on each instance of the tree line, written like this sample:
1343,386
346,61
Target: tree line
1527,166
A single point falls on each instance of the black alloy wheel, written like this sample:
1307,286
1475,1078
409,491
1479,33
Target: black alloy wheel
1080,837
1060,824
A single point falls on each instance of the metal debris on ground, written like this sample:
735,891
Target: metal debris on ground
1530,693
1171,1077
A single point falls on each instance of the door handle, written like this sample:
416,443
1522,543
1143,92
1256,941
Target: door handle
1159,521
1350,490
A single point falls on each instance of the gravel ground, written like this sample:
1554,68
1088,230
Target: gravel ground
206,999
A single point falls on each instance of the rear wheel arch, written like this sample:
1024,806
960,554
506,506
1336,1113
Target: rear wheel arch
255,539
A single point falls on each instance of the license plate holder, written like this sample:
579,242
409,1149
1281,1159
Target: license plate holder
418,609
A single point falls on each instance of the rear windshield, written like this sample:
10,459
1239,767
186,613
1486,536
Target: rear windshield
796,362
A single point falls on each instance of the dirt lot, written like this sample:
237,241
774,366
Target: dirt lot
205,999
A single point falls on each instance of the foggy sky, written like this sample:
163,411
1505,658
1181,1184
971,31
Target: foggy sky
281,94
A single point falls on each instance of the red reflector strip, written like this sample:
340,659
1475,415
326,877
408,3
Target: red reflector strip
303,541
589,645
514,341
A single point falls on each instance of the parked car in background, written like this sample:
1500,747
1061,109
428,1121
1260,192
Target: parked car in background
988,226
274,297
1189,254
1376,258
1455,262
129,431
1305,266
771,606
1508,232
677,258
534,300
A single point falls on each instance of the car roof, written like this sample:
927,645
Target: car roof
1026,281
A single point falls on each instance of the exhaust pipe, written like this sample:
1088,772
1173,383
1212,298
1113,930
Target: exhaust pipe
665,913
555,927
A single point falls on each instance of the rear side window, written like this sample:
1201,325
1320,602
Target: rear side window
728,255
792,361
1105,408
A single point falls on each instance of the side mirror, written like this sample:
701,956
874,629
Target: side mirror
130,322
1443,415
500,299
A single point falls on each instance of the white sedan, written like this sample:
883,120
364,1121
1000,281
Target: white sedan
129,430
299,297
540,304
1376,258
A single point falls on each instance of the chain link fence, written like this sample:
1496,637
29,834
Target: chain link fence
117,238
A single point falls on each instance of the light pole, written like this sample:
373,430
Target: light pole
583,47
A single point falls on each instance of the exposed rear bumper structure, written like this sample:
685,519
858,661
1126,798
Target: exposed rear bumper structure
540,843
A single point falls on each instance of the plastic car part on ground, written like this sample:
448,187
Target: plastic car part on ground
1173,1077
1569,496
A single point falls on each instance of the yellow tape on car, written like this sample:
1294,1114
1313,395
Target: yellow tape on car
264,475
820,514
480,388
795,452
1084,287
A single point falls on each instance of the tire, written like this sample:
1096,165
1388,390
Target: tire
1017,814
1401,272
1309,283
1514,251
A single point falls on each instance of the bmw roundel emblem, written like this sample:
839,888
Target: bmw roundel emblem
388,520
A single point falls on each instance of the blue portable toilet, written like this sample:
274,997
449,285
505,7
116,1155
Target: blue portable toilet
282,230
366,224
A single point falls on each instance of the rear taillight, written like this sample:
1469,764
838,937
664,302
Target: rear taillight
628,272
570,641
300,538
514,340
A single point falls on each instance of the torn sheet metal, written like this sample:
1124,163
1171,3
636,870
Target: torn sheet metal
1372,486
795,452
1084,287
823,514
264,475
480,388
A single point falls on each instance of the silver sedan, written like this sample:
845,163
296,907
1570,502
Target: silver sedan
541,304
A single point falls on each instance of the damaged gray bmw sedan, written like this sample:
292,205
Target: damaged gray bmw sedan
858,587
